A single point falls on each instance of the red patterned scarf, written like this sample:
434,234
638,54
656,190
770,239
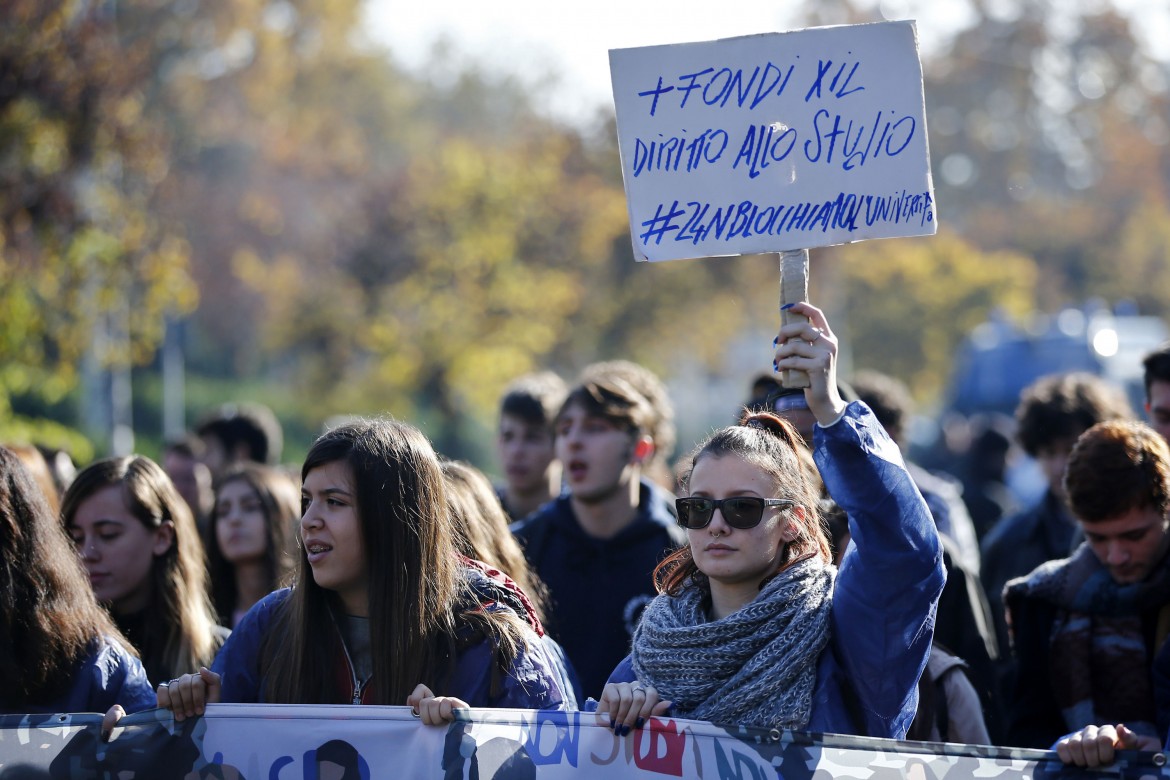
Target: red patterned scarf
1100,664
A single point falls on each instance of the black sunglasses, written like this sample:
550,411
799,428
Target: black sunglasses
740,512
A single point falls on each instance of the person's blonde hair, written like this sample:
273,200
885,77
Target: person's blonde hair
481,529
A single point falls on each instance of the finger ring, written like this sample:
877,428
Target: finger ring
636,687
172,682
414,712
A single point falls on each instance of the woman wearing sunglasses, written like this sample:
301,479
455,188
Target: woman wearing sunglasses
753,625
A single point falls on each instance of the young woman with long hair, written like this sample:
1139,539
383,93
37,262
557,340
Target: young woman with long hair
249,540
59,650
753,626
138,542
383,609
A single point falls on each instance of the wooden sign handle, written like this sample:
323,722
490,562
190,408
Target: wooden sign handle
793,289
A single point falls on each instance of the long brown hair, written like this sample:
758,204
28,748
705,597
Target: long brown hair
38,468
180,633
48,614
418,598
481,529
280,503
772,444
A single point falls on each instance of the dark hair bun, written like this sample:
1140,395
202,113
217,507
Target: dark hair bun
774,424
765,421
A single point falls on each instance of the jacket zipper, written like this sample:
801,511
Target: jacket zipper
358,685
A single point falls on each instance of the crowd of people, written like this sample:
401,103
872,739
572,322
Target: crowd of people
794,570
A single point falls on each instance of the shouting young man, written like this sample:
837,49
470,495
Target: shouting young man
596,546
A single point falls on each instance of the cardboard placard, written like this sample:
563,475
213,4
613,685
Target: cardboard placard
774,142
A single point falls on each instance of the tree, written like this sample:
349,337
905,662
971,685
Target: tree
1137,265
482,264
374,240
81,248
912,301
1048,128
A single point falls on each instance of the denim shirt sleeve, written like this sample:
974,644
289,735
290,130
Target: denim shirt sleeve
892,575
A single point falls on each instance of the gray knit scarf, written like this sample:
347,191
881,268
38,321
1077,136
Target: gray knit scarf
755,667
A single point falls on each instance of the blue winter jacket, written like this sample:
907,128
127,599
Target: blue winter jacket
887,589
531,683
108,675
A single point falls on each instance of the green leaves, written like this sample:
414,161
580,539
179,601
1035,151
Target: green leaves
911,302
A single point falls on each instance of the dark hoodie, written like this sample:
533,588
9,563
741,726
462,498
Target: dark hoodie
598,587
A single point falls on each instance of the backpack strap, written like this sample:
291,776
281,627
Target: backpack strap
942,717
921,728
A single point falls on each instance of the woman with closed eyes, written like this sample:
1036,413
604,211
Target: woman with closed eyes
754,626
138,542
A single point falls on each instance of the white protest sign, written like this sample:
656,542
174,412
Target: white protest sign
774,142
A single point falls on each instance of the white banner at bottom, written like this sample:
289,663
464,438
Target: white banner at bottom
283,742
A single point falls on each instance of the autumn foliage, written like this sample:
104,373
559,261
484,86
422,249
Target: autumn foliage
368,240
